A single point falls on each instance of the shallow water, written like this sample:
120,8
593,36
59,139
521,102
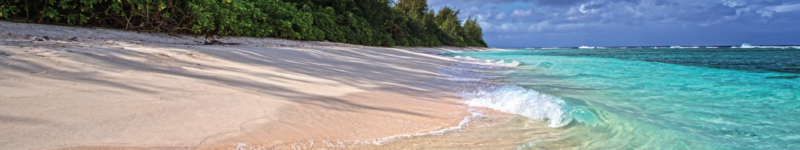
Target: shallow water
632,98
614,99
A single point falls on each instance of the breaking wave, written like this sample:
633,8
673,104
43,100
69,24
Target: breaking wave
479,91
526,102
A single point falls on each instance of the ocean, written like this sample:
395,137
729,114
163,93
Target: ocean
625,98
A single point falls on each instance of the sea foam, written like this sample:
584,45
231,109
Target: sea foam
517,100
506,98
488,63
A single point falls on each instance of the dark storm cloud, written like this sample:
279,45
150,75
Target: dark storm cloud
620,21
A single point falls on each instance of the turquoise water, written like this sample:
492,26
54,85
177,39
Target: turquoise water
651,98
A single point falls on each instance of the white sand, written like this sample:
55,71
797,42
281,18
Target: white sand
115,88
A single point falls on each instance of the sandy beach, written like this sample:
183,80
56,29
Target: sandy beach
83,88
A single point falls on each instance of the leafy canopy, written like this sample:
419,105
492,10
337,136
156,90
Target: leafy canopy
365,22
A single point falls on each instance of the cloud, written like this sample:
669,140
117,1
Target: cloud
766,13
539,2
500,16
595,17
770,11
734,4
786,8
522,13
664,3
558,2
591,8
487,26
508,26
537,27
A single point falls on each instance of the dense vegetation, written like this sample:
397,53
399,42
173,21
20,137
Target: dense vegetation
365,22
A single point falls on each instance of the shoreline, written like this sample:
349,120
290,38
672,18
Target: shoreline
91,88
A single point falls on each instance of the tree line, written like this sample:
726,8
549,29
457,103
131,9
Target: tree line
364,22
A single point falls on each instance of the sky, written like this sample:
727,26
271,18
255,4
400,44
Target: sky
573,23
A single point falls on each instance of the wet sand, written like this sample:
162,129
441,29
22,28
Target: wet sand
84,88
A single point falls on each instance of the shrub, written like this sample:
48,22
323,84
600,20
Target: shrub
366,22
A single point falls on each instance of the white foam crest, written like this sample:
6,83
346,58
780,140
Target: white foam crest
506,98
475,115
499,63
464,75
747,45
682,47
529,144
518,100
447,52
342,144
471,70
301,144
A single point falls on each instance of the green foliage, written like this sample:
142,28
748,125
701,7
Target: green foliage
366,22
147,15
256,18
448,22
436,29
473,33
